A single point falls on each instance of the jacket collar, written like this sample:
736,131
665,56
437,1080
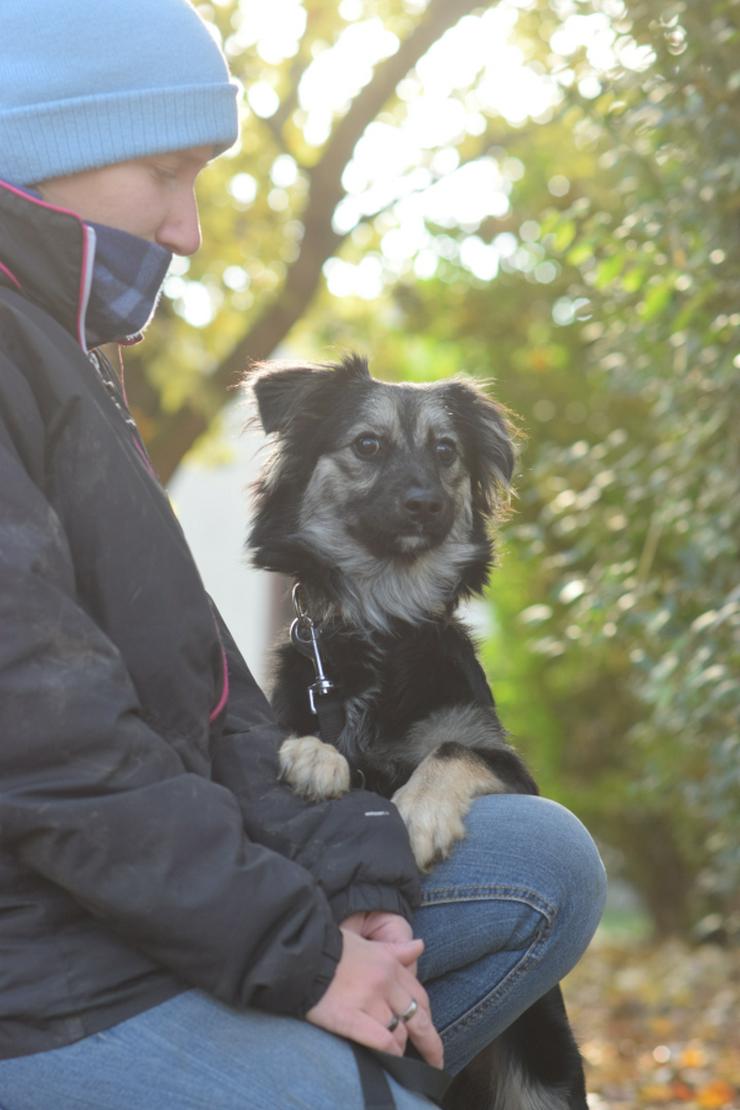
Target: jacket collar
47,254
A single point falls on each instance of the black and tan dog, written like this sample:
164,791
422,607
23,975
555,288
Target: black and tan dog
378,500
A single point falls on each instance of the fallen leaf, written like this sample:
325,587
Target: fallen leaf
682,1091
656,1093
693,1057
715,1095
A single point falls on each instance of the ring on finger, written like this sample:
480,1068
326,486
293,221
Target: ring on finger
394,1023
410,1010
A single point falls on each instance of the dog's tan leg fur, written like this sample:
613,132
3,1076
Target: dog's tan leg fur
313,769
435,800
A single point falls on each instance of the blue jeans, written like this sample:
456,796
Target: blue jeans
504,919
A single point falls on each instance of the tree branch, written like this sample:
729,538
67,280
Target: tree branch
177,432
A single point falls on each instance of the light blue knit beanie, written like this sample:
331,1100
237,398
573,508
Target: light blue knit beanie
86,83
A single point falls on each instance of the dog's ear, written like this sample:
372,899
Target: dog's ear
285,391
488,433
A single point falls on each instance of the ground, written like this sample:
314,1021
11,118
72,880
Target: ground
658,1025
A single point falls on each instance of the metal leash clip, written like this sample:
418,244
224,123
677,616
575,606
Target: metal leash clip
304,637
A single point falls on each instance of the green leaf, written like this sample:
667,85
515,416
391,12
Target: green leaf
564,235
633,279
656,301
580,253
608,270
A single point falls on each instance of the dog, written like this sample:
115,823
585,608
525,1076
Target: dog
378,500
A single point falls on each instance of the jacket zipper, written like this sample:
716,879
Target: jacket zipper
107,378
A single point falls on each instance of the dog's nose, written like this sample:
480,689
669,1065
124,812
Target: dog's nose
422,505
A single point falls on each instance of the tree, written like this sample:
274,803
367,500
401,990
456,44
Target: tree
174,413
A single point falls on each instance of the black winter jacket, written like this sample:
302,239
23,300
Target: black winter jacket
145,844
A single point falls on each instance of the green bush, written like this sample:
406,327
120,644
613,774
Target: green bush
639,529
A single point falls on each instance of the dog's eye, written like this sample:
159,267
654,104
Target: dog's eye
446,451
368,445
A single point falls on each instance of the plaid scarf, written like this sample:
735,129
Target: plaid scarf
127,278
128,273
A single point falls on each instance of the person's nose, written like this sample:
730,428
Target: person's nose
180,231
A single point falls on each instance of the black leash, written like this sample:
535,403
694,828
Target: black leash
373,1067
410,1071
376,1090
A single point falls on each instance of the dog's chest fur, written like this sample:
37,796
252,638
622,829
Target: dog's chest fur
387,683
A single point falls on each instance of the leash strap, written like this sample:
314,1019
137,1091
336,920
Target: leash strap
330,711
376,1090
410,1071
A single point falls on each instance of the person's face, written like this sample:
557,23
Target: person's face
152,197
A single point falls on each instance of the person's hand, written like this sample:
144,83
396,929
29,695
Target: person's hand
390,928
378,925
372,984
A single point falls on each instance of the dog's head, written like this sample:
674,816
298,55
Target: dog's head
373,479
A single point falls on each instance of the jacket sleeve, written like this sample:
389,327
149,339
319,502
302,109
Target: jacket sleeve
95,801
357,846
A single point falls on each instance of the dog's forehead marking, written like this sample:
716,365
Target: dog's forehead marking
431,416
379,412
404,412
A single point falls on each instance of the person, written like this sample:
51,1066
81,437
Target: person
177,928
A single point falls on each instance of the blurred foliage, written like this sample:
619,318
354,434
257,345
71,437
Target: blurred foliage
641,526
603,296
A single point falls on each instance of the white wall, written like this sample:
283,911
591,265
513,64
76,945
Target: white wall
212,503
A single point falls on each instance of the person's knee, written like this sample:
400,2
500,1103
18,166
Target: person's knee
556,854
575,864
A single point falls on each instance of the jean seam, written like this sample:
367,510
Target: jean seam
531,956
482,892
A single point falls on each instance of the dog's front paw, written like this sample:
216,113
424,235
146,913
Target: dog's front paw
434,820
313,769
